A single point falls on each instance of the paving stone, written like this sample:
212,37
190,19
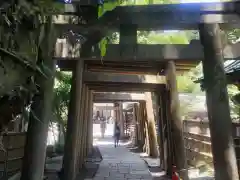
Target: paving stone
120,164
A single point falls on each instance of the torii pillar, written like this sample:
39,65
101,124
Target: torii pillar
135,136
119,116
71,143
220,123
175,122
121,119
90,123
115,114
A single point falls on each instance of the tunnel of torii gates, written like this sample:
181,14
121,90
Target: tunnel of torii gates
132,67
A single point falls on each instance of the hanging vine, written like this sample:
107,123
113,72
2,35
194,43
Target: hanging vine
21,45
21,27
107,6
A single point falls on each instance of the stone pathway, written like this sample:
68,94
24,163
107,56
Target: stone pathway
120,164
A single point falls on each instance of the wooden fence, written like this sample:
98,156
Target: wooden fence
198,144
12,155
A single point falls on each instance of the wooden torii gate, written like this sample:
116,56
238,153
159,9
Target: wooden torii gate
166,60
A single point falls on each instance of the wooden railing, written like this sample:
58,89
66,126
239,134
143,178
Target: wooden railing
198,144
12,155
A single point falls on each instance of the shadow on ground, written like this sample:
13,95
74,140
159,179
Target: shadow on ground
157,173
91,165
54,165
203,178
135,149
153,164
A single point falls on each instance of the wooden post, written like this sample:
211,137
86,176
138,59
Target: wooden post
85,52
115,114
152,134
126,119
220,122
85,124
71,142
176,121
146,147
81,132
124,123
140,127
128,35
166,131
86,121
161,127
90,124
135,133
142,131
40,114
121,119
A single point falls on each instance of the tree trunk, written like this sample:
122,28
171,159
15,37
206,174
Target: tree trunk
220,122
35,148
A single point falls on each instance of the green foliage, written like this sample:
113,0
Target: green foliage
234,107
107,6
233,35
22,28
61,97
186,85
162,38
146,2
110,5
26,42
185,82
103,46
